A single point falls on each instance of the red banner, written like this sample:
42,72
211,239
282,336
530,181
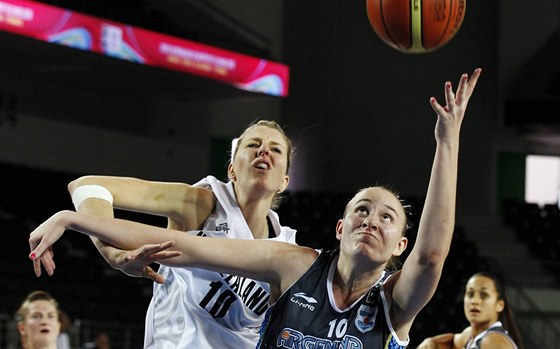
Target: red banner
79,31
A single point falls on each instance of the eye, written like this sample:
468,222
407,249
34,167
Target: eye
276,150
387,218
469,294
484,295
362,211
252,145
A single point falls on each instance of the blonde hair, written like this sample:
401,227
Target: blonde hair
277,199
34,296
266,123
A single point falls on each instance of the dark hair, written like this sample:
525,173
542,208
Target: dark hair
506,316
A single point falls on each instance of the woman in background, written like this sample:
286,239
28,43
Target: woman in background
491,319
38,321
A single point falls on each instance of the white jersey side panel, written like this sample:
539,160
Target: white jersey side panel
196,308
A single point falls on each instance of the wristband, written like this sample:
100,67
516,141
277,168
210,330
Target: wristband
84,192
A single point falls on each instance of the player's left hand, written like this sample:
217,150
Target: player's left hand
137,262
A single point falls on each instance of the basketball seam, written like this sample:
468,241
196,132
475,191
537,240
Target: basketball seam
393,41
449,18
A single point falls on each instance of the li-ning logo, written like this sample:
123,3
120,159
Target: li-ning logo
309,300
223,227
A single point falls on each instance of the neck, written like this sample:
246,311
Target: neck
478,328
41,345
255,211
349,284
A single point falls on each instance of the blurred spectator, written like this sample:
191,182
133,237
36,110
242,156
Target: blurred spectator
38,321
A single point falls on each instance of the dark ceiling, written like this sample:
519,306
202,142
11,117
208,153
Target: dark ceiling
189,19
196,20
533,105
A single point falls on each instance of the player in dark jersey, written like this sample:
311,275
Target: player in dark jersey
356,304
490,317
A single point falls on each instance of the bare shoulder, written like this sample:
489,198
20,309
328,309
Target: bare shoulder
496,340
292,263
296,254
461,339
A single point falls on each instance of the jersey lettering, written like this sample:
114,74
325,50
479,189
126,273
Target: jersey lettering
251,294
222,303
293,339
338,330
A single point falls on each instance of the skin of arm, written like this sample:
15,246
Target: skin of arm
441,341
495,341
186,208
279,264
415,284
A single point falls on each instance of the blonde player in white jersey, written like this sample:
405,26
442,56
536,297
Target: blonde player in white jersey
194,308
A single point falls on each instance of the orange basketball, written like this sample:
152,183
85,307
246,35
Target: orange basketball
416,26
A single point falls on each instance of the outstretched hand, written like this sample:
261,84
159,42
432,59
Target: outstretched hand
451,115
134,263
41,241
137,262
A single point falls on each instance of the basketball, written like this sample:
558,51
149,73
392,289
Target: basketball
416,26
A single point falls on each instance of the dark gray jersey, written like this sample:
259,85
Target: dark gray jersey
305,316
496,327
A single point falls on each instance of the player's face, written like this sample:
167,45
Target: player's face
261,160
481,303
373,225
41,325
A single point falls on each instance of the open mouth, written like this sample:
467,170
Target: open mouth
262,165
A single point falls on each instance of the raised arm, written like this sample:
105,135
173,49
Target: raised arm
421,271
277,263
185,206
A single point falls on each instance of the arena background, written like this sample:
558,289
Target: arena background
357,110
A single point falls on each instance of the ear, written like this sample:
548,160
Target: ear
339,226
500,305
231,172
21,328
284,184
401,246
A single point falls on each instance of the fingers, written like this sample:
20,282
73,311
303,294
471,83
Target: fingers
165,255
436,106
151,274
37,249
466,85
48,261
465,89
154,249
41,256
37,267
449,96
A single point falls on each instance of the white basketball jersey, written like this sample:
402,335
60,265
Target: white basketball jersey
201,309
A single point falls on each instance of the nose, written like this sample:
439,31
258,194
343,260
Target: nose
474,300
263,149
368,223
